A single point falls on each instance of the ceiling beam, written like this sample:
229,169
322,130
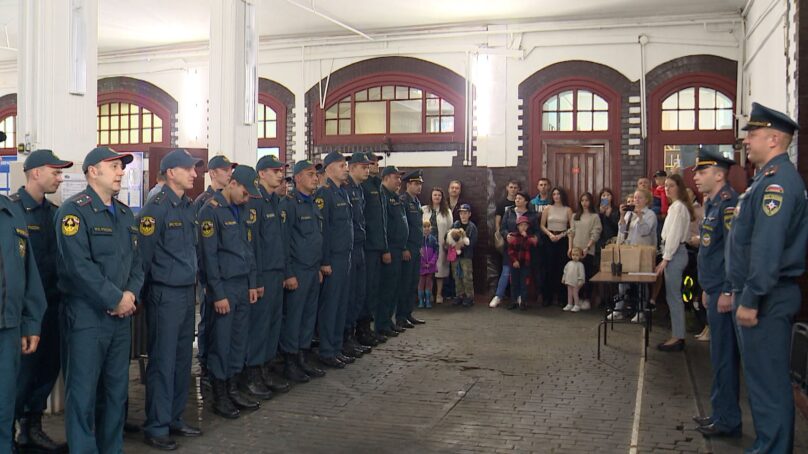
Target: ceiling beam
314,11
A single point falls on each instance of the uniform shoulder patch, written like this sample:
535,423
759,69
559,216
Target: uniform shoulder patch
283,216
159,197
147,225
253,216
772,199
320,202
213,203
729,213
83,200
725,195
15,197
70,225
771,171
207,228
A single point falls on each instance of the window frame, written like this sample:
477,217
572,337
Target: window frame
144,103
10,111
427,85
265,99
575,111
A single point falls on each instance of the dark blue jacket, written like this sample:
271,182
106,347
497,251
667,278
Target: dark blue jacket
718,213
337,220
415,222
397,227
39,218
375,215
268,246
357,197
302,232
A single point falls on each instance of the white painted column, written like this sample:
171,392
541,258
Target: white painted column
233,80
57,67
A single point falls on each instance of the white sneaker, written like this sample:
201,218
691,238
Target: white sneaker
568,307
585,305
494,302
575,308
615,316
638,318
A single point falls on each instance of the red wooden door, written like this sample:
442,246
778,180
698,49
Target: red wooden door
577,169
156,155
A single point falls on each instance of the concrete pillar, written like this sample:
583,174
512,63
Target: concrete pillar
233,80
57,67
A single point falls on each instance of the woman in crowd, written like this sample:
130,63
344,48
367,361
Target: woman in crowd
675,233
584,234
440,217
556,220
508,225
609,216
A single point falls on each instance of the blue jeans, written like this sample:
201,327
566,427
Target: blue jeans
673,291
504,278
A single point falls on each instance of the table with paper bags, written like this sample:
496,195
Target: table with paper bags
632,259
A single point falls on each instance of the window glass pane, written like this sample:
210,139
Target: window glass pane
446,108
147,120
432,124
134,121
405,116
104,123
344,127
104,137
388,92
271,129
565,101
135,109
687,98
331,127
133,136
549,121
147,136
670,121
371,118
345,110
260,113
113,108
361,95
375,93
432,107
113,122
125,122
600,103
565,121
584,100
722,102
157,136
707,119
723,119
431,95
706,98
157,122
584,121
671,153
104,109
671,102
551,105
114,137
687,120
331,113
416,93
447,124
402,92
600,121
124,137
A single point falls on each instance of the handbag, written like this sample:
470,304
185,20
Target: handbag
451,255
499,242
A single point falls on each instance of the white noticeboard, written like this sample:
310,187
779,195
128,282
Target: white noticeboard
131,184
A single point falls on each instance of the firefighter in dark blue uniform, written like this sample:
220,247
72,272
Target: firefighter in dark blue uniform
220,168
168,245
711,172
765,256
39,370
100,274
397,233
228,268
303,237
376,253
411,265
334,204
267,314
359,170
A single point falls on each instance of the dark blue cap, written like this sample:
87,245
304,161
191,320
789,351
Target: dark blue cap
99,154
764,117
269,162
39,158
359,158
712,158
246,176
303,165
334,156
415,175
373,156
660,173
221,162
389,170
465,207
178,158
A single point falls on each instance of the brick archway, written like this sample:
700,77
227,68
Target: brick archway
282,101
144,94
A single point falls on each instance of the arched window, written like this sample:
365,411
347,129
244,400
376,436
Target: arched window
8,124
697,108
270,119
575,110
123,123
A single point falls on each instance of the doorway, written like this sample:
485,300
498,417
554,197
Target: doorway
577,167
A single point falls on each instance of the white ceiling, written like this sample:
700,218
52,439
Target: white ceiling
129,24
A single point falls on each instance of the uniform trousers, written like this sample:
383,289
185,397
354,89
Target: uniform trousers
725,360
40,370
333,305
9,368
373,262
410,272
300,310
266,317
227,346
357,292
391,277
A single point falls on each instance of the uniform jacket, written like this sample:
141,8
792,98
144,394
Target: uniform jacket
302,232
337,214
415,223
22,299
39,218
375,215
397,226
268,246
768,233
713,232
357,197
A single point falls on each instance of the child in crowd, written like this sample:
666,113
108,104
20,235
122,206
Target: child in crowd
574,278
660,205
463,246
429,266
519,245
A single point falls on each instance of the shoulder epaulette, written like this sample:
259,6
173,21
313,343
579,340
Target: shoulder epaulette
159,197
725,195
81,199
14,197
771,171
213,202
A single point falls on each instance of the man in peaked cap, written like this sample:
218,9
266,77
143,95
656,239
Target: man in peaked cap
765,255
376,253
711,172
39,370
100,274
168,245
411,265
397,234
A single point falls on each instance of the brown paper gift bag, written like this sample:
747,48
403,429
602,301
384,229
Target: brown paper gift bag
635,259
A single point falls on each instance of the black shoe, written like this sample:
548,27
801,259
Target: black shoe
275,384
415,321
33,439
399,328
674,347
457,302
309,369
703,420
352,353
380,338
366,338
365,349
407,324
184,430
332,362
222,405
292,370
239,399
512,306
468,302
345,359
253,383
351,348
388,333
713,431
161,443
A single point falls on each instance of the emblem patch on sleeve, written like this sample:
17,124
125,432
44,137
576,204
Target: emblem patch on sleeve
283,216
772,199
320,202
729,213
147,224
207,229
70,225
253,216
21,246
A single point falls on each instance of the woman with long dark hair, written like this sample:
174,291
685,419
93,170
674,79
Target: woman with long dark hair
556,220
609,216
584,234
440,217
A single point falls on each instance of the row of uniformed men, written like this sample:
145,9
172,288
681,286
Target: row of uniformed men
246,245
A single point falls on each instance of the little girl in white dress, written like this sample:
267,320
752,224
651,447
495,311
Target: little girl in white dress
574,278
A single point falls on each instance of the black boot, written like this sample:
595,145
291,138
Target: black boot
351,348
292,370
240,400
365,336
253,383
365,349
222,405
275,384
309,369
33,438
